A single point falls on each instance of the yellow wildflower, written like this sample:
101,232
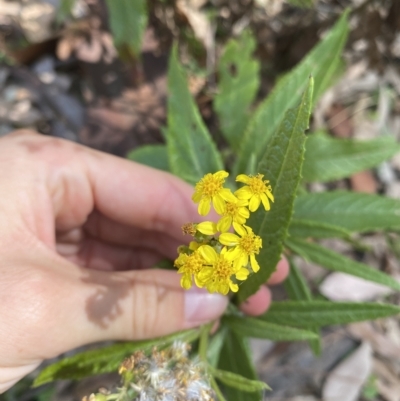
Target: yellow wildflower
256,191
190,266
246,246
235,213
217,275
210,189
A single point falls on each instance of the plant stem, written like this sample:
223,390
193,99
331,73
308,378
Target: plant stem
203,346
215,387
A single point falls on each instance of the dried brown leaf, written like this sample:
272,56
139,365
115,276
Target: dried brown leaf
382,344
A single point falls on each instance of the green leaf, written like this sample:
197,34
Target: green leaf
349,210
330,158
281,164
237,381
296,286
256,328
324,313
297,289
322,62
215,346
336,262
236,358
238,85
151,155
128,21
103,360
315,229
191,152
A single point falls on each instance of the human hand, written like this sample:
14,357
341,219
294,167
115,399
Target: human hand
79,231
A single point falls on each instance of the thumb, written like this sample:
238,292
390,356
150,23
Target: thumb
91,306
145,304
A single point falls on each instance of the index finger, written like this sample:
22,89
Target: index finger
137,195
79,180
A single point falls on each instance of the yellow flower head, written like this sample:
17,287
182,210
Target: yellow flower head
217,275
190,266
210,189
256,191
246,246
235,213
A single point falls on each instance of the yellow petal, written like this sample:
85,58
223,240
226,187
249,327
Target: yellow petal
265,202
244,212
227,195
212,286
239,229
186,281
203,276
242,274
244,259
223,288
237,263
254,264
208,253
269,194
224,224
196,197
233,287
239,220
221,174
219,204
180,259
229,239
244,193
248,229
199,283
204,207
233,253
254,203
243,178
207,227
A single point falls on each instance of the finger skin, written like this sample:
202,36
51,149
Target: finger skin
282,271
259,303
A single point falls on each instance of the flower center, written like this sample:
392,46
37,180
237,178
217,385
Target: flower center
194,263
257,184
231,209
250,243
223,269
210,185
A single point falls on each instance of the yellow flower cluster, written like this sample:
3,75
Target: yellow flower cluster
218,263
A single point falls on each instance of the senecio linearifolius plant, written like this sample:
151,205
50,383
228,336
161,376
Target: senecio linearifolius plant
262,210
215,262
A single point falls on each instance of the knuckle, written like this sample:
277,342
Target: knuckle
157,308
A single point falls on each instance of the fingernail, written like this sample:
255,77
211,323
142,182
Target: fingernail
202,307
